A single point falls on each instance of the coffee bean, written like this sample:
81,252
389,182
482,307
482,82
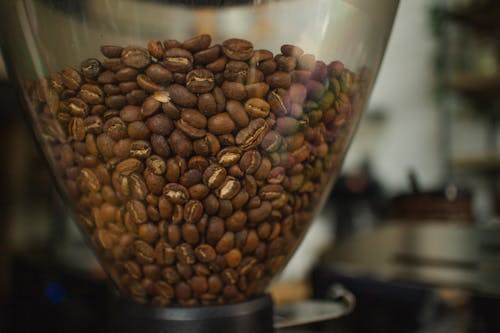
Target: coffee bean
237,113
181,95
131,113
225,243
160,124
217,65
197,43
221,124
71,78
144,252
155,48
136,97
198,163
180,143
140,149
198,191
178,60
190,234
257,107
111,51
261,213
257,90
279,80
176,193
234,90
236,71
237,221
115,102
193,211
183,291
207,104
126,74
233,258
252,135
138,130
135,57
229,188
148,232
238,49
185,254
250,161
208,55
90,68
286,64
263,170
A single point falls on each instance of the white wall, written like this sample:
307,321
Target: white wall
409,136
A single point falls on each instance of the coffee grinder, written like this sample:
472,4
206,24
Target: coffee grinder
196,140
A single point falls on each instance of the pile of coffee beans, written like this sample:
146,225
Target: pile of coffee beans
195,168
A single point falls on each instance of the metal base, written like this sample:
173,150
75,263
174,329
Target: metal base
247,317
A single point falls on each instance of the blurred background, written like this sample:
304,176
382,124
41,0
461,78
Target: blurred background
411,227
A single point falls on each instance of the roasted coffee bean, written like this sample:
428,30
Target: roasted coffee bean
257,107
155,48
237,113
160,124
178,60
234,90
135,57
140,149
257,90
238,49
190,234
237,221
200,81
160,145
279,80
138,130
136,97
126,74
197,43
214,176
233,258
144,252
115,102
190,178
236,71
286,63
250,161
147,84
263,170
208,55
159,74
90,68
193,210
207,104
181,95
176,193
252,135
71,78
111,51
77,107
229,188
221,124
183,291
180,143
185,254
229,156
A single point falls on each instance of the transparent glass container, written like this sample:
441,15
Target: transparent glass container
194,140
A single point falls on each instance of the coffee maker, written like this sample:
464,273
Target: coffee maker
194,141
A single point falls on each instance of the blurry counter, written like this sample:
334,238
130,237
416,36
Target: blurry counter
437,254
